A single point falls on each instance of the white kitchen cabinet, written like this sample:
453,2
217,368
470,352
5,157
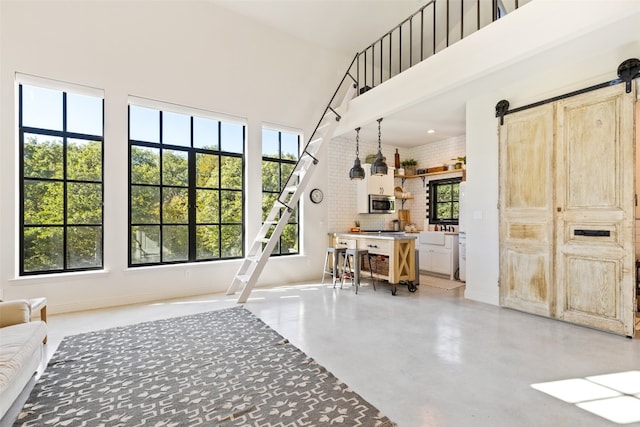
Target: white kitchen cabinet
380,185
440,256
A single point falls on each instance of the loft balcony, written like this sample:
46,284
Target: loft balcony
540,45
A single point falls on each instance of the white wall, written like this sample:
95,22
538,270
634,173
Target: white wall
187,53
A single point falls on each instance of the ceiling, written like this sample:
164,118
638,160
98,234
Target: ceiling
347,26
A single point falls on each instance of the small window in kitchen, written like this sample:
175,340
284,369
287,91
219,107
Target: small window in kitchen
443,201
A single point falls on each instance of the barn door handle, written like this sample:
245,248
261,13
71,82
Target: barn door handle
592,233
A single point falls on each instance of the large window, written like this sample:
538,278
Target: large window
443,205
61,144
186,187
280,152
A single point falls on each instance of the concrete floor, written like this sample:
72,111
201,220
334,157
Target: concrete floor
429,358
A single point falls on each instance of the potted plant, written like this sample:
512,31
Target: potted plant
463,161
357,227
409,166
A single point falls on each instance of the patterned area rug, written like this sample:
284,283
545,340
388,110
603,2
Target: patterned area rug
220,368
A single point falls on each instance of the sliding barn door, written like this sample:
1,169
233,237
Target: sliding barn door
567,210
526,211
595,253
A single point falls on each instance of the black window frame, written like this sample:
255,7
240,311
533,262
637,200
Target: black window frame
433,202
294,219
64,135
191,187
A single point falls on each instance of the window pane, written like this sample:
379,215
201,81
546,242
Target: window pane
176,129
84,247
231,171
207,170
144,124
287,168
270,176
294,216
42,156
207,206
145,165
268,199
41,108
84,160
290,146
231,137
175,243
231,241
207,238
84,204
443,193
84,114
205,133
444,211
43,202
174,205
175,167
270,144
145,205
289,239
43,248
145,244
231,206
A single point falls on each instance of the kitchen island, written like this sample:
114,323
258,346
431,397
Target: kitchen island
395,250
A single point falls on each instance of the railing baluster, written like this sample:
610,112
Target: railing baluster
447,44
390,55
411,42
381,60
461,19
400,50
434,29
421,34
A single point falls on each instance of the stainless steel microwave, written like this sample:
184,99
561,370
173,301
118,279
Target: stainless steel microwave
381,204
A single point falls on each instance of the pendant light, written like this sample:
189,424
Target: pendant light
379,167
356,171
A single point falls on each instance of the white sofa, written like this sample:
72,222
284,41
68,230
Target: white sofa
21,350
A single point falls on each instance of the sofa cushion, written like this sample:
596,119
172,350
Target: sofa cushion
20,355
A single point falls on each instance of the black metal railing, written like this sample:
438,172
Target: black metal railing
435,26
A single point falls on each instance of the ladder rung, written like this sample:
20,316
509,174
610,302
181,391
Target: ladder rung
291,189
244,278
316,141
254,258
263,240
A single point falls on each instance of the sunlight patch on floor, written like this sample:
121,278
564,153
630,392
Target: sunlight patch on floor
615,397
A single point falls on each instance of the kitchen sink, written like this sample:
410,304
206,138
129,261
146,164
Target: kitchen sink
431,237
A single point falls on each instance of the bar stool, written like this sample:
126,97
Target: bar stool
332,270
354,269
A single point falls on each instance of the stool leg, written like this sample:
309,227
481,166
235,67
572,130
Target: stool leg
336,266
356,271
324,269
373,282
345,264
